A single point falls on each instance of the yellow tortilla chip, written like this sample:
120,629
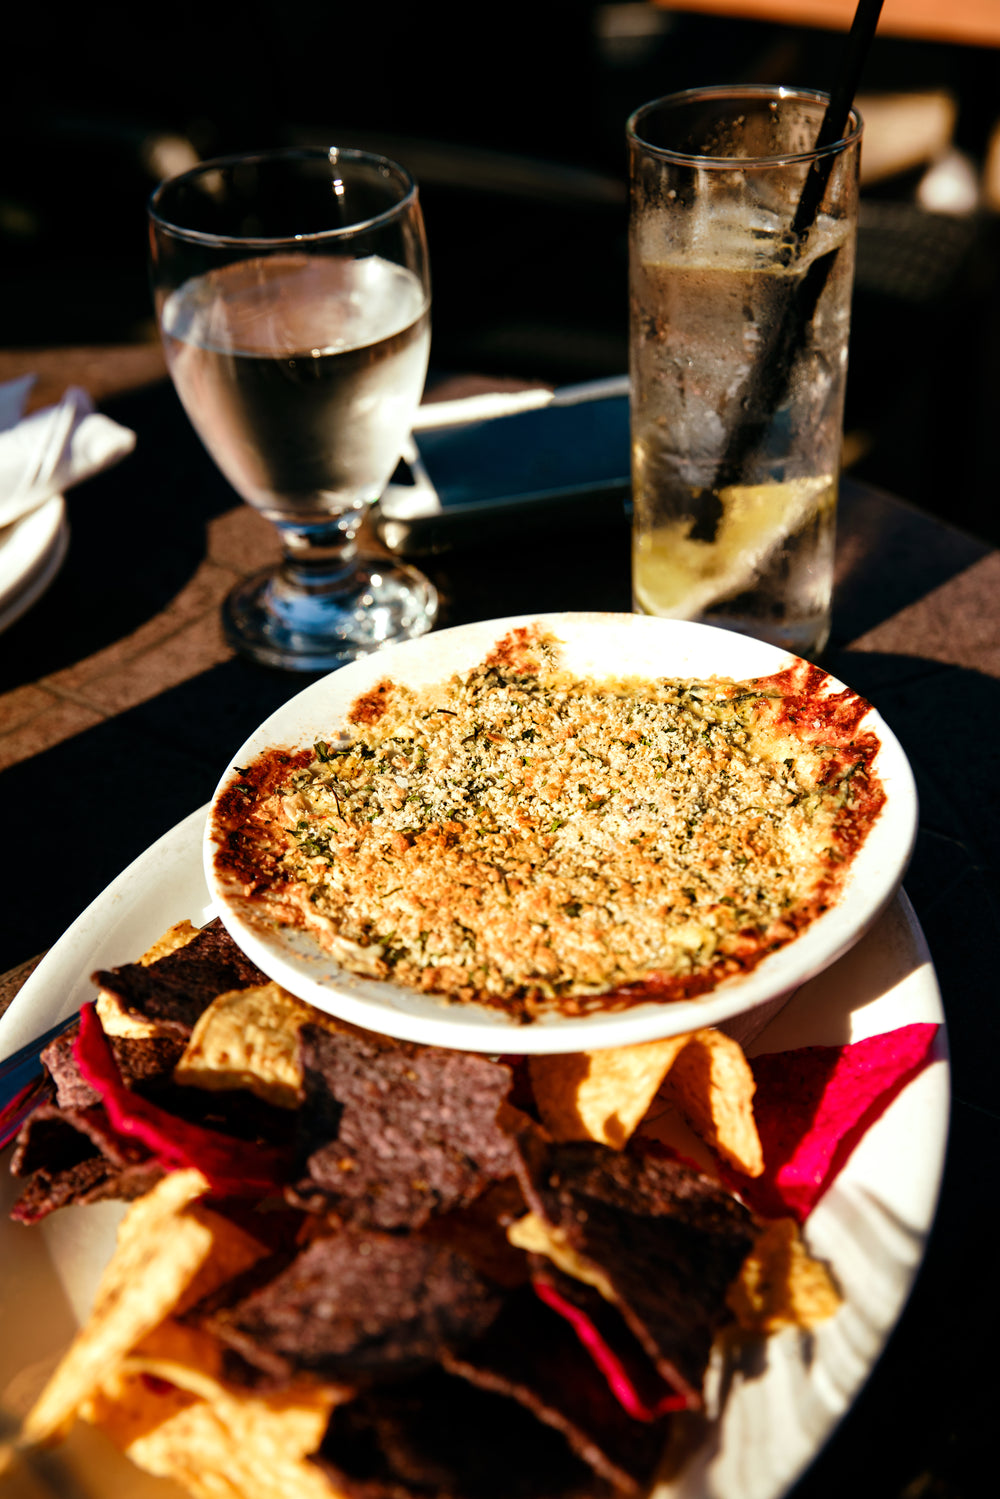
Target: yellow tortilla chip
780,1284
159,1251
128,1407
605,1095
250,1039
236,1447
601,1095
191,1359
712,1084
116,1020
187,1356
179,935
665,1124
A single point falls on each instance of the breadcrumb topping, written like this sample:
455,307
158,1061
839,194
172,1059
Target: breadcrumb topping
527,838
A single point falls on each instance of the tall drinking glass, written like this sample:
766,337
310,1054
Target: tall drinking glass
741,263
293,298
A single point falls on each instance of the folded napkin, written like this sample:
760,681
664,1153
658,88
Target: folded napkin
43,454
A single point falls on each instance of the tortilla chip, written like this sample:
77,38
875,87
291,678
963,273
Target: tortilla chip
355,1305
233,1251
184,1355
780,1284
159,1251
532,1355
713,1086
74,1155
144,1063
601,1095
192,1358
532,1234
249,1038
394,1132
235,1167
665,1126
179,935
439,1435
612,1348
131,1407
669,1241
231,1448
116,1020
173,990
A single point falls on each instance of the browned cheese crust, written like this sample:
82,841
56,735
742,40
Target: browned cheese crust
531,840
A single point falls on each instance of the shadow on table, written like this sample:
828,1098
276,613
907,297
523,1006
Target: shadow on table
889,556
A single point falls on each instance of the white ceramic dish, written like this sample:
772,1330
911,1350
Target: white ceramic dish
772,1415
598,645
32,551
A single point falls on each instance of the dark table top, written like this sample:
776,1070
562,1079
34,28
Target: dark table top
120,704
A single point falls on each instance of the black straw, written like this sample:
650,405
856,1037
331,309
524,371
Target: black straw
768,384
837,112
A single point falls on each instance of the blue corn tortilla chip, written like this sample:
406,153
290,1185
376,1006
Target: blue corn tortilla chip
74,1155
392,1133
599,1327
440,1437
69,1151
478,1232
175,989
532,1355
358,1305
667,1239
141,1062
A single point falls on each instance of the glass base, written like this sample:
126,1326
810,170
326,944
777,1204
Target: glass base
277,624
800,637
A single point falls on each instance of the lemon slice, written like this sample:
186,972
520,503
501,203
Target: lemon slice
676,576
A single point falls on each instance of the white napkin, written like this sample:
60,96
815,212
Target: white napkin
43,454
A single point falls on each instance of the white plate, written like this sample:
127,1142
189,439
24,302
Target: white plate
777,1411
598,645
32,551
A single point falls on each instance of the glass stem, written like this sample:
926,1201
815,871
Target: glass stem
320,557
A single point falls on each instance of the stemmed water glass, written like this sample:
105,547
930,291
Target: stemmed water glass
293,298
